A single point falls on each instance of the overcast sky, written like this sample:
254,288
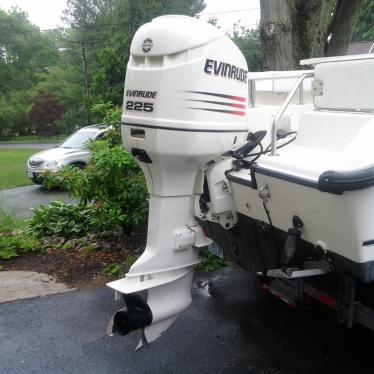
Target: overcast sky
46,13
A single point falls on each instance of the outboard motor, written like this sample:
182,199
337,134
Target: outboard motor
185,103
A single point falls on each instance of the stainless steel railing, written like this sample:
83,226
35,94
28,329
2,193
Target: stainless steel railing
297,87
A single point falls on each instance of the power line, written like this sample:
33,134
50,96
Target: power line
8,31
230,11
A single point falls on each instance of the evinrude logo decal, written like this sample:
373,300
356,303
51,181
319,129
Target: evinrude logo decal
226,70
140,106
140,93
147,45
235,102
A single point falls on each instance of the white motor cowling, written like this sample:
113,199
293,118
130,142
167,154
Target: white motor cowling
185,103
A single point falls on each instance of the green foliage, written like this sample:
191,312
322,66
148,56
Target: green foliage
12,246
62,180
249,43
60,219
119,269
25,53
14,240
113,185
64,80
111,191
67,246
210,262
365,23
124,18
112,270
30,61
107,113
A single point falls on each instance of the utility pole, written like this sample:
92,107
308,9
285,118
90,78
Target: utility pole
87,97
86,86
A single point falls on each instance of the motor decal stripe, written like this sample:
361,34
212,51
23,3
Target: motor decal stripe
234,105
231,97
368,242
234,112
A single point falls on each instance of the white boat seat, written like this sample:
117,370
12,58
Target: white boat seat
345,85
332,152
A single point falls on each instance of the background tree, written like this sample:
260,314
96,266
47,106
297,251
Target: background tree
30,61
249,43
365,24
118,22
25,54
45,111
295,29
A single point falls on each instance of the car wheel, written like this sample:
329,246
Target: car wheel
79,165
38,181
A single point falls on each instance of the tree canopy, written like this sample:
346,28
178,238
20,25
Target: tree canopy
365,23
25,54
32,61
44,112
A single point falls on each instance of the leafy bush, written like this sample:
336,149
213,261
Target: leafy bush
107,113
60,219
13,238
210,262
12,246
119,270
61,180
111,191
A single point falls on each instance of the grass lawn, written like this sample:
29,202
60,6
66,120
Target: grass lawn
13,167
34,139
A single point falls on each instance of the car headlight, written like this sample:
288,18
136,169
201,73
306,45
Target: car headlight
53,164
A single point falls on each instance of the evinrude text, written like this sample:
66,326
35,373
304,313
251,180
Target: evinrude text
226,70
145,94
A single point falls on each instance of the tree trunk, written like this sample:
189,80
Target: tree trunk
292,30
342,26
276,35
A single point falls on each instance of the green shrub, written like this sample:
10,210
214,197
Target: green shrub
111,190
112,270
119,270
67,246
12,246
107,113
13,238
60,219
210,262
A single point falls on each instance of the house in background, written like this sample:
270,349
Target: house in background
360,48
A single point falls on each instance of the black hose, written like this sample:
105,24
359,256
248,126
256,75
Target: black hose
271,226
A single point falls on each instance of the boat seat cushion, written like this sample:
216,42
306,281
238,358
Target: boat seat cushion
347,85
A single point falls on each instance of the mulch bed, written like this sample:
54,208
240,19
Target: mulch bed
78,267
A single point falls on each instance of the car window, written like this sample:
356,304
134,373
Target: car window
78,139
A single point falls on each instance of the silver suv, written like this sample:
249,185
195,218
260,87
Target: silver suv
72,151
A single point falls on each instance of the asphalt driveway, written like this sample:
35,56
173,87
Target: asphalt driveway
27,145
233,329
20,200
